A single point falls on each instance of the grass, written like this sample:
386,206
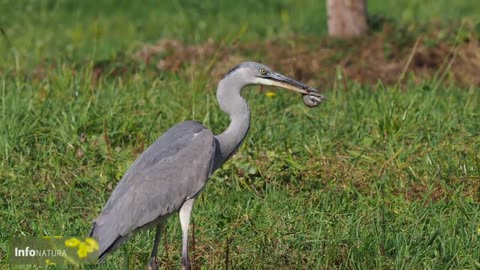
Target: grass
75,30
377,178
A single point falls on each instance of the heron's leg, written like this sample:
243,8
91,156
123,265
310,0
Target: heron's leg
152,263
185,212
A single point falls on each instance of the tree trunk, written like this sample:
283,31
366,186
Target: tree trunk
347,18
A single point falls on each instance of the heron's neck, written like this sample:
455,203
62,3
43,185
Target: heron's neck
232,103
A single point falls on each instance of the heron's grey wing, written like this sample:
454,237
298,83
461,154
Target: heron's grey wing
173,169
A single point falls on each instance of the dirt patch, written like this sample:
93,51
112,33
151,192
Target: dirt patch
391,56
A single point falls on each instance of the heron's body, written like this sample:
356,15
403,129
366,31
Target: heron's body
168,176
161,183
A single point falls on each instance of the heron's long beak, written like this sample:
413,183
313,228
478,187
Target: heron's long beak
279,80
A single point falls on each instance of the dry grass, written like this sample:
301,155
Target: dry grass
390,56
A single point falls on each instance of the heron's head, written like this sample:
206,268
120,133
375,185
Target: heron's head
255,73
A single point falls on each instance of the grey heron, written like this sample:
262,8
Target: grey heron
170,174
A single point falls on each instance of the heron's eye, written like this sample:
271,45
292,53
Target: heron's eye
263,71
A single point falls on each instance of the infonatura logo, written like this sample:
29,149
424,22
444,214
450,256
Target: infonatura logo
53,250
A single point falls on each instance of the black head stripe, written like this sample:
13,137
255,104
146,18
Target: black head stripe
233,69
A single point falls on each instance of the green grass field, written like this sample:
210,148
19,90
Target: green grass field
379,177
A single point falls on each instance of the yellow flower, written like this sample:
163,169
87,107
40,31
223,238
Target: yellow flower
83,247
270,94
82,250
478,230
92,244
48,262
72,242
